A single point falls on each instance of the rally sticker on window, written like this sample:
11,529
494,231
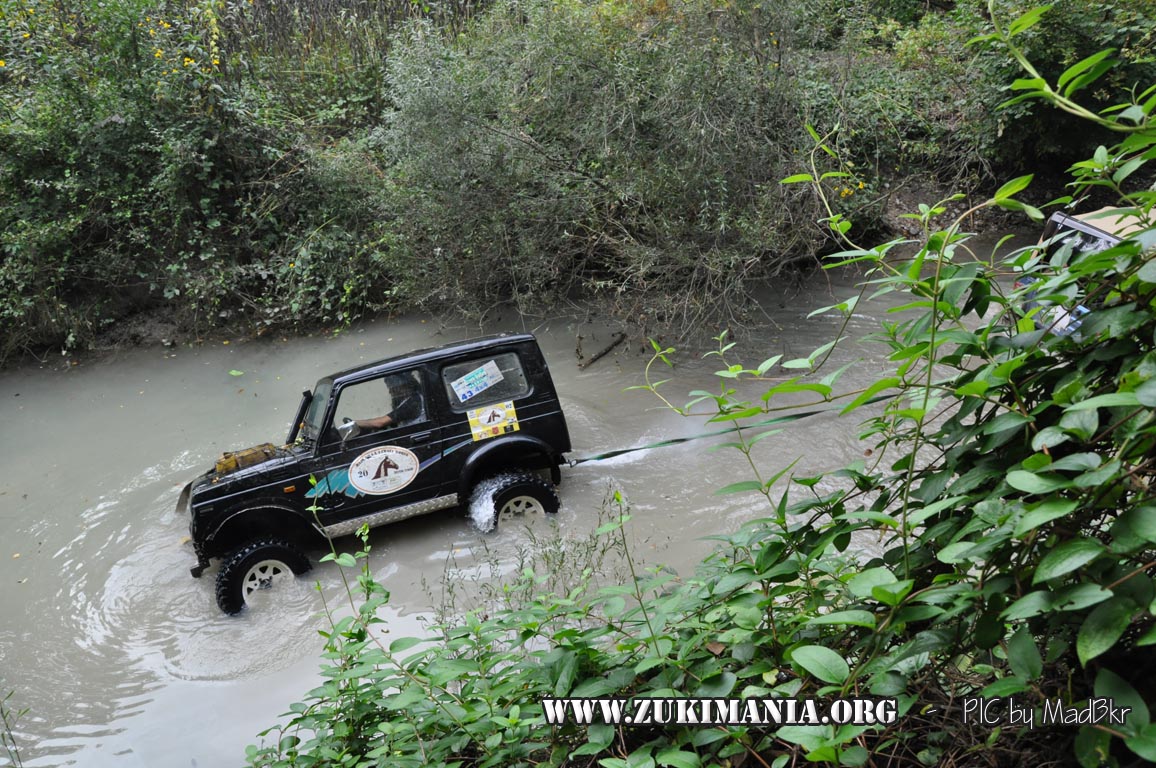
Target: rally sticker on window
383,470
493,420
476,381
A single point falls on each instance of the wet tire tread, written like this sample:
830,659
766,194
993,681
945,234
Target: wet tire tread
523,482
234,567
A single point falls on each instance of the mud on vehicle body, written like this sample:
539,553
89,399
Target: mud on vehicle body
407,436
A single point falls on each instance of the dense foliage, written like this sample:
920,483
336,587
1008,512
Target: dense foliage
278,164
1009,483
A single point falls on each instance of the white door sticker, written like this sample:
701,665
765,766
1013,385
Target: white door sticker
383,470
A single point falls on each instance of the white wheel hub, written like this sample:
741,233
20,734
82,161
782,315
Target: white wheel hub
264,575
522,506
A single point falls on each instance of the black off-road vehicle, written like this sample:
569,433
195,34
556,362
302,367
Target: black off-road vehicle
475,423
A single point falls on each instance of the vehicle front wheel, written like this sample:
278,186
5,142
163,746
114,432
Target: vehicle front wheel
255,566
511,497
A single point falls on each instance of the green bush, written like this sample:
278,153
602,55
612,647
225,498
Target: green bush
626,146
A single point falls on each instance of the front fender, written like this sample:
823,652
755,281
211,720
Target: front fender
258,517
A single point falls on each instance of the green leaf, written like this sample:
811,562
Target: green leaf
798,178
1012,187
1103,627
1148,638
854,757
403,644
676,758
1110,400
1110,685
1048,437
892,594
852,618
346,560
1144,744
1006,686
862,583
821,662
1042,513
717,686
235,372
1031,604
1079,597
1030,482
1009,420
1024,656
1146,392
955,552
742,486
1147,272
870,392
1092,747
1066,558
809,737
1082,66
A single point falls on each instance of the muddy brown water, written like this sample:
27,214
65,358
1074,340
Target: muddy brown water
124,660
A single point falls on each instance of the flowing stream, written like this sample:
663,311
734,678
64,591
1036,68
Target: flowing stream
123,659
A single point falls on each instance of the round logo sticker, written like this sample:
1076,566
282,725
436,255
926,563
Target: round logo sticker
383,470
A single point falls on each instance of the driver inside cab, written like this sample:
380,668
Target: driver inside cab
405,396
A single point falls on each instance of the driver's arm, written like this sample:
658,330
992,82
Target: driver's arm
379,423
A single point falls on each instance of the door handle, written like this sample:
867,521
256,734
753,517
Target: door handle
421,437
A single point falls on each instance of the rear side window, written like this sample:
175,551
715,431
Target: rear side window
485,380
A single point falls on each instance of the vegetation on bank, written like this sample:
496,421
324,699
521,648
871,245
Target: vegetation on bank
1010,485
274,164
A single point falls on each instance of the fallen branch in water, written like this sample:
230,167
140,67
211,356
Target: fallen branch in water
618,339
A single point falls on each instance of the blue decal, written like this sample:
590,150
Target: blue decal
337,481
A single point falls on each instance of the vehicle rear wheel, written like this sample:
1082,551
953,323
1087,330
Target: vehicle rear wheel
255,566
510,497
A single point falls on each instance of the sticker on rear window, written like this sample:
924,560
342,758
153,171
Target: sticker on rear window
476,381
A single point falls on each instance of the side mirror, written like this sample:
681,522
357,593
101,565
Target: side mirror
348,430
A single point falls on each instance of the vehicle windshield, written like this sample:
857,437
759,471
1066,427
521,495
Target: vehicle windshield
311,426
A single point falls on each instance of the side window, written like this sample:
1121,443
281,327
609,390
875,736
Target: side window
485,380
391,401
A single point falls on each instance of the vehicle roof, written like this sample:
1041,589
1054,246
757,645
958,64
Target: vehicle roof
1120,222
417,356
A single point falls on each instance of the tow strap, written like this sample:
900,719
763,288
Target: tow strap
677,440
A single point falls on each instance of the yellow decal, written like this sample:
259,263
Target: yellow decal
493,420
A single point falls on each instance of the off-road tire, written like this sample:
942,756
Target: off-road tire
256,565
518,495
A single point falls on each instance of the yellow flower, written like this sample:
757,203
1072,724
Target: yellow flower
27,35
861,185
189,61
292,265
3,63
216,62
152,33
158,53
